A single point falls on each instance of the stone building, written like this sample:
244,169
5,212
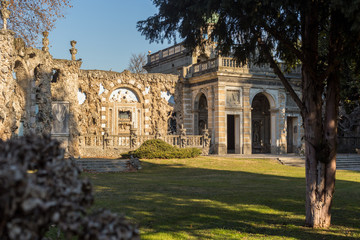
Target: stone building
198,98
245,107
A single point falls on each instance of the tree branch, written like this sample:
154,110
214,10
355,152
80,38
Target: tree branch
286,42
298,53
281,76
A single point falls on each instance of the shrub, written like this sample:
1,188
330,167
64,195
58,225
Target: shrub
39,188
157,148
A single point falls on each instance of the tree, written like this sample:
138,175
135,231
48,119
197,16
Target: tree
318,34
136,63
29,18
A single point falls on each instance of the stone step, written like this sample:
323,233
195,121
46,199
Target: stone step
292,161
106,165
101,164
343,161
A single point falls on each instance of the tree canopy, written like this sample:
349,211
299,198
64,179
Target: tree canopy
320,35
29,18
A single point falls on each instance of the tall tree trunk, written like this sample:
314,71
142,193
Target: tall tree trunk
316,149
314,145
320,126
321,159
331,118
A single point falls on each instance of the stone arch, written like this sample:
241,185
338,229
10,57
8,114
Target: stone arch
268,95
197,98
131,88
123,110
261,123
200,112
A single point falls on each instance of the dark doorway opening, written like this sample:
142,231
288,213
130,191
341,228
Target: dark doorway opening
202,114
290,134
230,133
260,124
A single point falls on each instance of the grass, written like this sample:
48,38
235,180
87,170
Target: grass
214,198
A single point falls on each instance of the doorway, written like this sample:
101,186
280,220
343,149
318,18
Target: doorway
291,131
230,134
260,124
202,114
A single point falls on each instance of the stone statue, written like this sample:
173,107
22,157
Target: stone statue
133,137
5,13
183,137
206,137
73,50
45,41
157,134
60,118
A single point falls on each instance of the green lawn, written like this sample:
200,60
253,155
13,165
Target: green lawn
215,198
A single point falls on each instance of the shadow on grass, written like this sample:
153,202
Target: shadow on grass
166,198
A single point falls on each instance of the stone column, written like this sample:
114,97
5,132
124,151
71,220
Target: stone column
282,123
187,109
211,109
220,120
247,122
274,113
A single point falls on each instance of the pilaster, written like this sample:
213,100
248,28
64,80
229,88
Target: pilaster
247,121
220,146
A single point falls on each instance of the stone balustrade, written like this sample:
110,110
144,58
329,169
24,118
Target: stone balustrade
231,65
113,145
179,48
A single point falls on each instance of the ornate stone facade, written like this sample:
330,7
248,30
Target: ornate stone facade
244,107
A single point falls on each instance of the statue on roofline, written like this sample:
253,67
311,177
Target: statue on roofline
5,13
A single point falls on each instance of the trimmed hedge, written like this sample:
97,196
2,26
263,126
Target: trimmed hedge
157,148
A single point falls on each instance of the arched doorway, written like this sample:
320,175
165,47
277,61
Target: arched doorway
260,124
202,114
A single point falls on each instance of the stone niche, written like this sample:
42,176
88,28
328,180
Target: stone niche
60,122
123,110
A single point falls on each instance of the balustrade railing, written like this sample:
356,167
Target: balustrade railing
230,64
134,141
165,53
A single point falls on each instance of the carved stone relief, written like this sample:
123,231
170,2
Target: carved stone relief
233,98
60,124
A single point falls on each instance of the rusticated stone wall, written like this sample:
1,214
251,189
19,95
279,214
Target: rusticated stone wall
36,91
11,94
153,107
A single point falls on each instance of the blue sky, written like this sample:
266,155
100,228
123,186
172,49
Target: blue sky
105,32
